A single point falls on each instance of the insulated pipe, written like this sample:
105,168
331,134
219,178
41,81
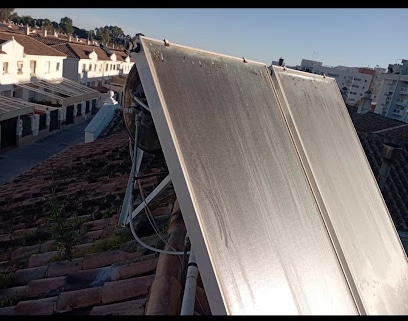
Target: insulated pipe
187,306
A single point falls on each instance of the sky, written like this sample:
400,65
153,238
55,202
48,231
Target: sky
353,37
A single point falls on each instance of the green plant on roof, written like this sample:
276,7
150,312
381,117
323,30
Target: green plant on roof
9,301
66,235
6,278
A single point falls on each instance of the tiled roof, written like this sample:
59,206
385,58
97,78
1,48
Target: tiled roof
90,182
82,51
31,45
49,40
67,50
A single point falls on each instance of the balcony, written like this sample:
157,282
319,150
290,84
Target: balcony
402,103
404,91
398,112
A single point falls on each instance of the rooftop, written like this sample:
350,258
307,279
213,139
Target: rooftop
110,273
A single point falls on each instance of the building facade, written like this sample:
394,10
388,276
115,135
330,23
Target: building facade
392,99
353,82
36,98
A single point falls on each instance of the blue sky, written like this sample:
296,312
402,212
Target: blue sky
349,37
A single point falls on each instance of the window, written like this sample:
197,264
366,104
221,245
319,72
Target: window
48,66
33,64
111,66
58,66
118,66
19,67
106,69
355,86
95,67
357,79
5,67
100,67
83,67
90,67
114,67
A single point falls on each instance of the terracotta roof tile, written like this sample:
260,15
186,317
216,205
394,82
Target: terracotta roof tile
95,260
67,301
129,288
45,287
64,267
132,269
25,252
23,276
132,307
14,291
45,306
41,259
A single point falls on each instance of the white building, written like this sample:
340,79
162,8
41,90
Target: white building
90,63
37,98
353,82
392,98
24,59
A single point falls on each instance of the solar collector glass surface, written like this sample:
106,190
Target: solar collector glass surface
343,177
254,210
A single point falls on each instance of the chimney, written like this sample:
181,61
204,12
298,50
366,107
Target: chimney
27,29
45,33
389,154
365,103
76,38
55,34
69,38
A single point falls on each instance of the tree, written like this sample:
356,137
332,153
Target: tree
47,25
66,25
27,20
5,13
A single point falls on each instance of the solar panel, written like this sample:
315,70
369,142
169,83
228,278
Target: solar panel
265,226
348,192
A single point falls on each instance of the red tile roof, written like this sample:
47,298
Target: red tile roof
31,45
49,40
81,51
111,281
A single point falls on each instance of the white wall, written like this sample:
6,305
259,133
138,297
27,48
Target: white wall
357,83
71,69
14,52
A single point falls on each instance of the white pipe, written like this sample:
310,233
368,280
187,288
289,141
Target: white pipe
187,306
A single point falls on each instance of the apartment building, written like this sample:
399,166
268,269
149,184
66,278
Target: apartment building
353,82
392,98
35,97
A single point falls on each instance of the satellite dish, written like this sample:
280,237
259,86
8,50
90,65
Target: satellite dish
133,101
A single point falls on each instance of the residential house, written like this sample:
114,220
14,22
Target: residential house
40,99
91,64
